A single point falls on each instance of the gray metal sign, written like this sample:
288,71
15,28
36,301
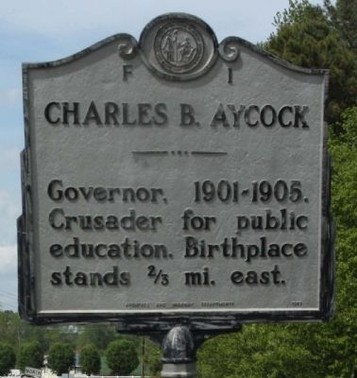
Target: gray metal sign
174,177
32,372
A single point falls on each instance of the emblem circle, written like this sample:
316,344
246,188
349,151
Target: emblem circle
179,48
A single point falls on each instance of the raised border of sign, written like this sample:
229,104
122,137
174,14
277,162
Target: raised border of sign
192,68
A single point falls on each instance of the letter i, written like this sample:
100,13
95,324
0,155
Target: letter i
230,76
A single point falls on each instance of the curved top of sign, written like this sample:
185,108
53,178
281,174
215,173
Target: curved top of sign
179,47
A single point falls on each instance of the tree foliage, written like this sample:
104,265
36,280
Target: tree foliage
7,358
307,37
344,18
90,360
31,355
99,335
10,329
152,358
60,358
344,185
258,351
121,356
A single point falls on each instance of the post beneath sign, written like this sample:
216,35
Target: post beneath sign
179,354
179,337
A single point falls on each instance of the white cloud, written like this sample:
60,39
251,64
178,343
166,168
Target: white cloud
11,96
8,258
10,209
8,204
8,277
9,158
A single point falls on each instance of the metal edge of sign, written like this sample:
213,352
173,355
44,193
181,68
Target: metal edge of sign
26,296
152,322
328,268
23,250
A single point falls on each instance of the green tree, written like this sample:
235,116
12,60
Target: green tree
121,356
10,329
344,17
61,334
31,333
257,351
152,358
344,185
61,358
31,355
306,37
99,335
7,358
90,360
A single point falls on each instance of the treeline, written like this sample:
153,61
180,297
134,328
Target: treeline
321,37
101,350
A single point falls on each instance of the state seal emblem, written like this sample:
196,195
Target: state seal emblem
178,48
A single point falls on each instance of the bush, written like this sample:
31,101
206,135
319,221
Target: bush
60,358
90,360
30,354
122,357
7,358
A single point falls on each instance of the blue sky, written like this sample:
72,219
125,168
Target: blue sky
45,30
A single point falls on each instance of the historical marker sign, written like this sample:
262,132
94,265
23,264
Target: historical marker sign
172,177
